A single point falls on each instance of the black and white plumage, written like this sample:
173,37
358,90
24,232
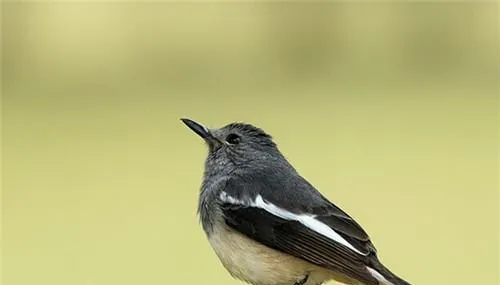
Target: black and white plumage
269,226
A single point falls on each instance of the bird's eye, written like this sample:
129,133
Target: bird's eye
233,139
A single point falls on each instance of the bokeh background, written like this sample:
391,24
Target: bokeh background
390,109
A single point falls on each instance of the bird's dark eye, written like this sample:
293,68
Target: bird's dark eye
233,139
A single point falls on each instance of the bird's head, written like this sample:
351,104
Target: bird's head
236,143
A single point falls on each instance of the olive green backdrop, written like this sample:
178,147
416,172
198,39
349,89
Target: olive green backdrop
389,109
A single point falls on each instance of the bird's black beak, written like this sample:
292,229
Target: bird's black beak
201,130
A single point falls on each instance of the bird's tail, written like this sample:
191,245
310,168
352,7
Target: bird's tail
384,275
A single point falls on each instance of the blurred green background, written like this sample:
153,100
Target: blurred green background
391,110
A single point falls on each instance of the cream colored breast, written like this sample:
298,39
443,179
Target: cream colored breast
257,264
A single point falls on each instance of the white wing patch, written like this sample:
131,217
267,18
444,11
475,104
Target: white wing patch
228,199
378,276
308,221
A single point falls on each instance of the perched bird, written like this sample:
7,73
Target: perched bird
268,225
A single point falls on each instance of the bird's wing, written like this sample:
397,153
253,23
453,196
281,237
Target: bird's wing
323,235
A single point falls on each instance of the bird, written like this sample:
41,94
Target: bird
268,225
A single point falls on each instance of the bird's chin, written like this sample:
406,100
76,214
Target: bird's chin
213,146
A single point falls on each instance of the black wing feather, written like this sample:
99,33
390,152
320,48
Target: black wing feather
350,231
289,191
295,239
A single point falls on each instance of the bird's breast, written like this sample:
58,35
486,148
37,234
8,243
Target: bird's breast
257,264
